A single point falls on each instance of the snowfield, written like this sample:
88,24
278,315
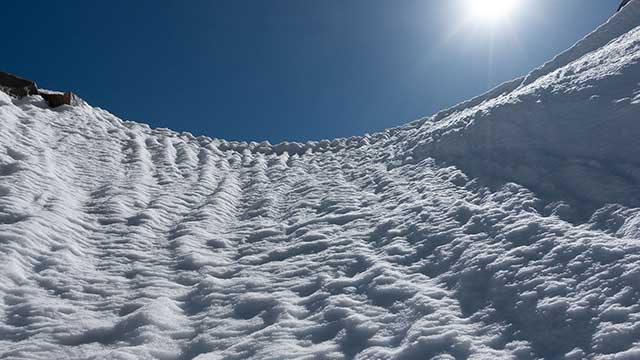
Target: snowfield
507,227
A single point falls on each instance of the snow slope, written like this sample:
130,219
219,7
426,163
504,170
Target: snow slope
507,227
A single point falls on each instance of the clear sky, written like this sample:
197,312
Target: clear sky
283,69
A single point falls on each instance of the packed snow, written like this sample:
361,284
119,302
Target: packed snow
506,227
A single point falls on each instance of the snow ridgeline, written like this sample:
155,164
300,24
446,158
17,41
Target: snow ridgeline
568,130
118,241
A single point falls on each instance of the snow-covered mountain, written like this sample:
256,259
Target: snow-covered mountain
506,227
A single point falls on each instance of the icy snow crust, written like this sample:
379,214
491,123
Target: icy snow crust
447,238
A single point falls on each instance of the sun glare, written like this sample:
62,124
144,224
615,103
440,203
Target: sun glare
491,11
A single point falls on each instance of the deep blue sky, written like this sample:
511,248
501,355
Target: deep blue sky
280,69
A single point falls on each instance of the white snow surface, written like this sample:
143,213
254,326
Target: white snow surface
506,227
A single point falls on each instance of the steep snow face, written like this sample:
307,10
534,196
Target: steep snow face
118,241
567,131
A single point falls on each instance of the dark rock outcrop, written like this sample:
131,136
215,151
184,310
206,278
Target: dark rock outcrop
19,87
16,86
622,4
55,99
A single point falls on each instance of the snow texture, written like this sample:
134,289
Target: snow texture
506,227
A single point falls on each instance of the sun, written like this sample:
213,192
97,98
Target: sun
491,11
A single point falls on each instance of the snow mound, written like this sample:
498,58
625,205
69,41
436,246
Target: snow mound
506,227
